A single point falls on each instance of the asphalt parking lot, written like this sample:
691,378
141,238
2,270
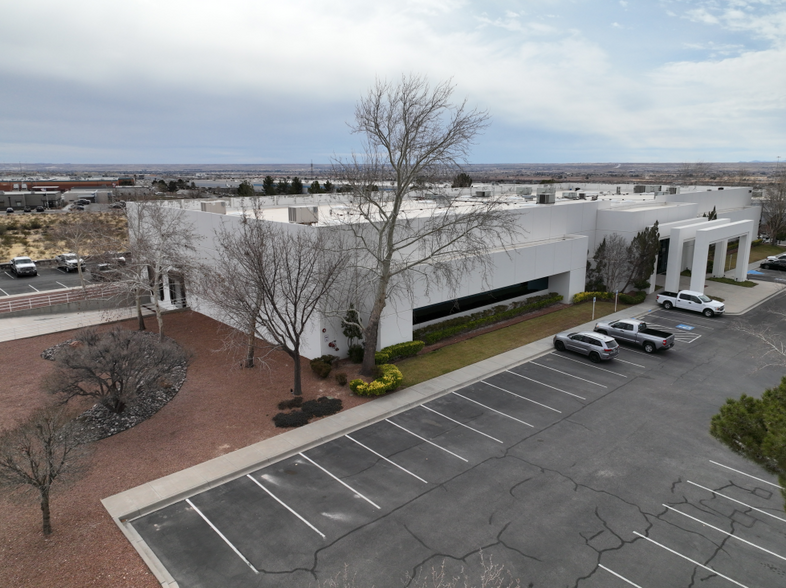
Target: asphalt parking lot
48,279
569,473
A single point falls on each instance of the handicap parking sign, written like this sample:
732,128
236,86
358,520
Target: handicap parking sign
685,327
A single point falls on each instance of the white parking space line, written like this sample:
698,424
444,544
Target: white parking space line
494,410
601,566
277,499
520,396
220,534
629,362
34,288
4,292
688,321
716,493
732,535
686,338
10,276
426,440
585,364
547,385
386,459
61,284
567,374
342,482
460,423
701,565
744,474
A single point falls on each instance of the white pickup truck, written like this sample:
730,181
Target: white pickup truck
690,300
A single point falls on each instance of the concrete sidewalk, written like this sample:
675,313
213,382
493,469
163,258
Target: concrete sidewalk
157,494
12,328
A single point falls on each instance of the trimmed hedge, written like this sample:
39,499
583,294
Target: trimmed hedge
389,378
636,298
398,351
464,324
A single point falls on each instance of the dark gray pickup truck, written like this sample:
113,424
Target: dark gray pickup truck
634,331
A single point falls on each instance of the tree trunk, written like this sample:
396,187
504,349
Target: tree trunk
159,316
250,349
47,522
371,332
297,389
139,316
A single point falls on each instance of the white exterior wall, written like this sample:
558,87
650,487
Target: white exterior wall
555,243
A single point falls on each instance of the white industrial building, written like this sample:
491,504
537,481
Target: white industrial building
560,231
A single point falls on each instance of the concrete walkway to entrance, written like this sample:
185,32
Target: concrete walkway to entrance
159,493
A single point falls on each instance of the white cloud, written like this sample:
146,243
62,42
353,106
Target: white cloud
536,65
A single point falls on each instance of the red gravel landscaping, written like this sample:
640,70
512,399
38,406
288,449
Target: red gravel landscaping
219,409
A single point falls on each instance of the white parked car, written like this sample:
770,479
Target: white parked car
776,257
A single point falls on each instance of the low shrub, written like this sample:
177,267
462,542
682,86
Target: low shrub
635,298
328,359
322,406
341,379
356,353
588,296
389,377
296,418
320,368
381,357
463,324
295,402
402,350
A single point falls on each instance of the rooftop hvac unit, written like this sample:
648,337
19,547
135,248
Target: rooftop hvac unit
303,215
547,189
674,189
638,189
524,191
652,188
217,206
547,198
482,193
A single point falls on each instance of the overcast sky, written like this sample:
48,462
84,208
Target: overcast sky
244,81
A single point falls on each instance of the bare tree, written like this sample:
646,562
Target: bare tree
413,136
161,241
271,279
114,367
773,209
40,451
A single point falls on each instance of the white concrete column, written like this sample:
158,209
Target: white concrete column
743,255
719,265
674,265
654,276
701,250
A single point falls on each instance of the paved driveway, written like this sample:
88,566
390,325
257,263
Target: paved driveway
567,472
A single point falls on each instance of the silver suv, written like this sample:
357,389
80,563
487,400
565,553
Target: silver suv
68,262
598,347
